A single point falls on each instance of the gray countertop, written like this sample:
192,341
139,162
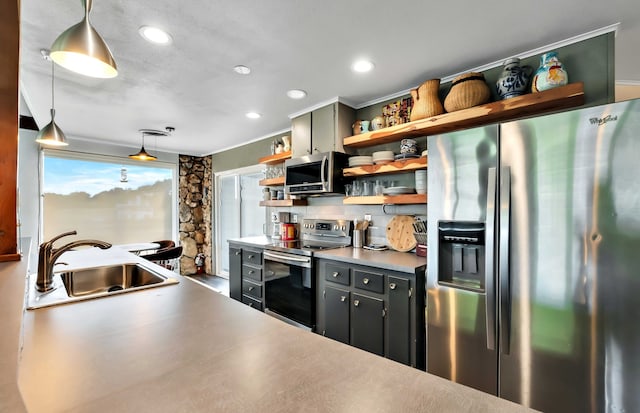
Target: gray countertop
389,259
185,348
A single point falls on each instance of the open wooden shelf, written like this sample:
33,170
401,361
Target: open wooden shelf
279,181
284,202
563,97
393,167
277,158
386,199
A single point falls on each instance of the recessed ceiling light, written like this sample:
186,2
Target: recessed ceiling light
296,93
362,66
154,35
241,69
253,115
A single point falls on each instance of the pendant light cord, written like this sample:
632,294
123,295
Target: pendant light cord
53,77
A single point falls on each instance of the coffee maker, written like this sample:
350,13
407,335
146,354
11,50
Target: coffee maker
283,228
275,226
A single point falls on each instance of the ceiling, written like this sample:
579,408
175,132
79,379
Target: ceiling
191,86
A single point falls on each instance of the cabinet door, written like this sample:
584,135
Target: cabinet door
301,135
367,324
235,273
323,129
336,311
398,323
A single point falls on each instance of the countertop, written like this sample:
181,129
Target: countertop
389,259
185,348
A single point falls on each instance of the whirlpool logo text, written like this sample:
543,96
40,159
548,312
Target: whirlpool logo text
602,121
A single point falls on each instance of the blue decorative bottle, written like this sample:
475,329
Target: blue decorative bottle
550,74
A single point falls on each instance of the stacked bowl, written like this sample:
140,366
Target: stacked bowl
421,181
360,161
382,157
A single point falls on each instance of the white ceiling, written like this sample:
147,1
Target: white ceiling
304,44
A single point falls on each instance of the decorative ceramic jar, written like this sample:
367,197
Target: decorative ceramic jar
360,126
550,74
467,90
426,102
287,143
514,80
377,123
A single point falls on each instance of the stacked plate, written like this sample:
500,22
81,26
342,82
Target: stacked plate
406,156
398,190
360,161
382,157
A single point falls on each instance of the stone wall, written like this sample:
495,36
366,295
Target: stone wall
195,195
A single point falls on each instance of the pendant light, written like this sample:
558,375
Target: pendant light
81,49
51,134
142,155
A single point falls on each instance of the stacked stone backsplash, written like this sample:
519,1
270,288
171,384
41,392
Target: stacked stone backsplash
195,190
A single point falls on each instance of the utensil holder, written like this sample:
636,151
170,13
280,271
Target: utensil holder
358,238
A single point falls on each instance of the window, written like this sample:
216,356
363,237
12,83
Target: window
238,210
107,198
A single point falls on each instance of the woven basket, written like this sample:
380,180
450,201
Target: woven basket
467,90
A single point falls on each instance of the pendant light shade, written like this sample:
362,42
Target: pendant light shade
51,134
82,50
142,155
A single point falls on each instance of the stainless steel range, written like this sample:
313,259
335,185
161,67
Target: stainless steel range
289,275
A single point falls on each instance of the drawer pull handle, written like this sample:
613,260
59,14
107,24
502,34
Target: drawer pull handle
356,302
250,288
365,281
336,274
251,271
250,304
250,257
392,286
238,252
343,298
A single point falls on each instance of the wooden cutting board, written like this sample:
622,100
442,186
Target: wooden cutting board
400,233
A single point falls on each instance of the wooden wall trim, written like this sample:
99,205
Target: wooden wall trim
9,97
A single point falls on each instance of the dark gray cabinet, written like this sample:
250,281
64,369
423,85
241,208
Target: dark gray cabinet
321,130
337,314
235,272
245,275
368,323
374,309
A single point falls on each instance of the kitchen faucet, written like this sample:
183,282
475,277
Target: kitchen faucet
47,256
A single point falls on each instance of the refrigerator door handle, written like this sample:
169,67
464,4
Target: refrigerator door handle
489,282
503,271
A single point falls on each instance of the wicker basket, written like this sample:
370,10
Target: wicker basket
467,90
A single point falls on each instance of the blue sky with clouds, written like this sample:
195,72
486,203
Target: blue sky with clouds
65,176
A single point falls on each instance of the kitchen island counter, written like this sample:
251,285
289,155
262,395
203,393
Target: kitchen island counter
185,348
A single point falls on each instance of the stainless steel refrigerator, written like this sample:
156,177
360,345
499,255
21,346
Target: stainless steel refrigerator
533,278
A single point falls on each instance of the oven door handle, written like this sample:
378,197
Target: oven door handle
287,258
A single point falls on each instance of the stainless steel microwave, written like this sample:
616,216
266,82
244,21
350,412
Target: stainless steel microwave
319,173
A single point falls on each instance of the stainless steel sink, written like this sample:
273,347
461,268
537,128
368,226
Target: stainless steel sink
95,282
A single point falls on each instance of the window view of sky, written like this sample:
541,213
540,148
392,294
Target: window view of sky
65,176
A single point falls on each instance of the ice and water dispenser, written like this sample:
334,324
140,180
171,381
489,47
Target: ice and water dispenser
461,257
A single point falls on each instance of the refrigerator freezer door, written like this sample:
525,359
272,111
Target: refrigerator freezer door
574,261
457,345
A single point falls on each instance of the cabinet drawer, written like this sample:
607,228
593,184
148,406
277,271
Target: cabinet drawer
249,271
337,274
252,302
369,281
252,257
252,289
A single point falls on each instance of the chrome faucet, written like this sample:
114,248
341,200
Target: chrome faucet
47,256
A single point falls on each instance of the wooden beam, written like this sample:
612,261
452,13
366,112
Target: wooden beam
9,96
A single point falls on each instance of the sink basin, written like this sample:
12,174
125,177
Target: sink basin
96,282
91,281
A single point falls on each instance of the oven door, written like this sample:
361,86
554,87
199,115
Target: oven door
289,288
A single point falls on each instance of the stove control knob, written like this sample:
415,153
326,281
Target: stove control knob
344,228
312,226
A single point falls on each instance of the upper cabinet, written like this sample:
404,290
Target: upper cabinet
321,130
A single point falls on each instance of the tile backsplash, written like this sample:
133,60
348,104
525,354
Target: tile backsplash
331,207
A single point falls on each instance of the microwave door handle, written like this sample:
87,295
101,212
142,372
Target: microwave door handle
323,174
